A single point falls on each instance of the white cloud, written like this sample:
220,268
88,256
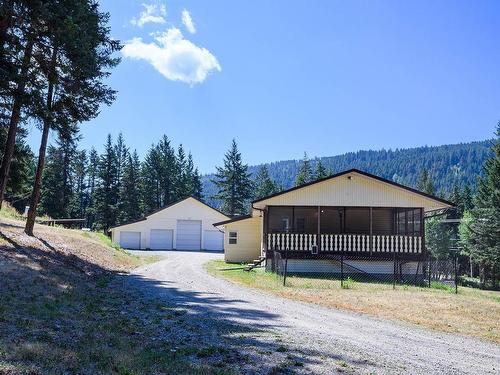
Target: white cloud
175,57
152,13
188,21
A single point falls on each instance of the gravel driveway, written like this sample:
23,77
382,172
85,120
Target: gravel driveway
280,335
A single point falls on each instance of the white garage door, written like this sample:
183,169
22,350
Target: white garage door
188,235
161,239
130,240
214,240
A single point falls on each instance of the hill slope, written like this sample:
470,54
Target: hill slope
448,165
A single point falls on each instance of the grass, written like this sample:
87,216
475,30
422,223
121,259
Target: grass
9,212
63,310
471,312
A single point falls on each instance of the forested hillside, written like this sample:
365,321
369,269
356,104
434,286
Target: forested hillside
448,165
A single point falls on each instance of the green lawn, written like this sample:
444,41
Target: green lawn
471,312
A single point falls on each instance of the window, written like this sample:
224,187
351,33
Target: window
286,225
409,221
233,238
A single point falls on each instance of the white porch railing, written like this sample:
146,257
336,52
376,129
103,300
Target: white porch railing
345,242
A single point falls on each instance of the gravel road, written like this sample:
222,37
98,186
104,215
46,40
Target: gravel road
305,338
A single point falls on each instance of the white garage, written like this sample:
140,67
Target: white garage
161,239
130,240
183,225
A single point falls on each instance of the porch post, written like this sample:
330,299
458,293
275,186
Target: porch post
371,230
318,242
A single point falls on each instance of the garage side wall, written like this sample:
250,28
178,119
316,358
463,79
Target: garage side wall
248,246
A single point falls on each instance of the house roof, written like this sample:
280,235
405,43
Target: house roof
166,207
354,170
232,220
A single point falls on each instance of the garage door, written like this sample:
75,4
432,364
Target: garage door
214,240
130,240
188,235
161,239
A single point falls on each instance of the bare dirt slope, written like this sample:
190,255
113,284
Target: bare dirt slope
321,340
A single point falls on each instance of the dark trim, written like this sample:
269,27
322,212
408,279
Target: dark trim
164,208
234,219
354,170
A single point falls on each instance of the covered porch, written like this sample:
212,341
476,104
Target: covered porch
352,230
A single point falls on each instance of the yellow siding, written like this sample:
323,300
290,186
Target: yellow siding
249,240
360,190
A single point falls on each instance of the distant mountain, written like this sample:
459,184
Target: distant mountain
448,165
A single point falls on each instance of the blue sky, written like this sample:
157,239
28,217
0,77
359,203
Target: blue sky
284,77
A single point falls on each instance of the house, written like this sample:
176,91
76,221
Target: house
367,219
183,225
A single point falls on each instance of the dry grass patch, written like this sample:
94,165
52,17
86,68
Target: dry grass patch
471,312
64,310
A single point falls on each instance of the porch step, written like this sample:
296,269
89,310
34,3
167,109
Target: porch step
256,263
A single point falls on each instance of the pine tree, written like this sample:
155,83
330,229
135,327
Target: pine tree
264,185
122,154
91,186
80,194
169,172
484,240
72,74
22,168
425,183
438,238
56,196
19,31
233,183
151,170
182,181
193,181
321,171
130,193
305,174
106,193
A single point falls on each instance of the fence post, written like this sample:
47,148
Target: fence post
430,269
342,268
286,267
394,271
455,268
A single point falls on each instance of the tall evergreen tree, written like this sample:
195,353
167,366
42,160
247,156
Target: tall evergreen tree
19,31
122,155
22,169
182,183
91,186
56,197
106,193
425,183
484,239
80,192
72,74
233,183
169,172
193,179
264,185
151,180
305,174
321,171
130,193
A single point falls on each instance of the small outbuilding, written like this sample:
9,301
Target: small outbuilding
183,225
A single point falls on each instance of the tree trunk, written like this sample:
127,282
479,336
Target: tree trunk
14,120
35,194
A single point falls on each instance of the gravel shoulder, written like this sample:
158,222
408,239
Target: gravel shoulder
277,334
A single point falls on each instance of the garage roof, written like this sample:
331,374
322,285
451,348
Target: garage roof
166,207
